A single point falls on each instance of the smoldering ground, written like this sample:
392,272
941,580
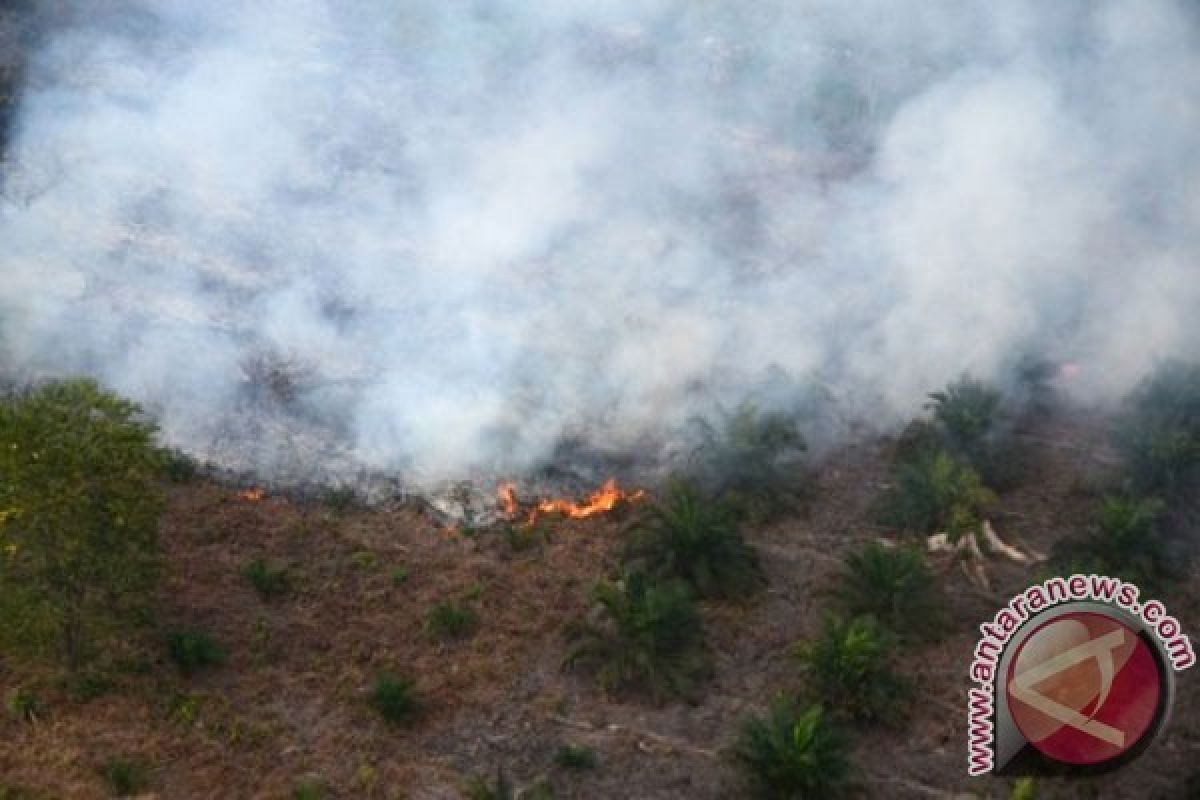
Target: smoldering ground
442,237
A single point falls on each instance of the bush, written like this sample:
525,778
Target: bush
310,789
269,581
193,649
651,638
966,412
24,704
1125,542
575,757
449,620
793,754
79,509
751,459
970,423
935,493
1159,434
896,586
395,698
178,466
125,777
850,667
481,788
341,499
689,537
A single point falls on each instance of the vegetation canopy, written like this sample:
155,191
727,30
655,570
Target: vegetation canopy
687,536
79,509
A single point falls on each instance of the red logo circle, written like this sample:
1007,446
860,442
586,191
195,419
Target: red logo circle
1084,688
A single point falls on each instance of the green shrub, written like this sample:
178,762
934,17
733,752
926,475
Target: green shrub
849,666
87,686
1159,433
970,423
178,466
694,539
395,698
1125,541
269,581
79,508
124,776
192,649
341,499
399,576
480,788
310,789
935,493
793,754
967,412
896,586
651,638
449,620
575,757
24,704
751,459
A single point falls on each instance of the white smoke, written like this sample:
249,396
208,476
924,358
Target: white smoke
464,230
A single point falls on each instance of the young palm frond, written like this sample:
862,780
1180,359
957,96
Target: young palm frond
696,540
935,493
651,638
850,666
896,586
791,753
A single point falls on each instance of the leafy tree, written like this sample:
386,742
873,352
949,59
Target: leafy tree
689,537
79,509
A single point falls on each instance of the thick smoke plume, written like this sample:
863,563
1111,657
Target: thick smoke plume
440,237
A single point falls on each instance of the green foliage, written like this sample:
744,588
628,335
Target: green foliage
935,493
1024,789
694,539
500,788
24,704
341,499
793,755
651,638
399,576
752,459
1125,541
125,777
849,666
896,586
79,509
395,698
966,411
575,757
310,789
969,422
269,581
87,686
192,649
178,466
1160,432
450,620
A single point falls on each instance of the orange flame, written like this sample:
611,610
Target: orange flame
600,501
253,495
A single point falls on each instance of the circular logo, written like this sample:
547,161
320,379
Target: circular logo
1084,688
